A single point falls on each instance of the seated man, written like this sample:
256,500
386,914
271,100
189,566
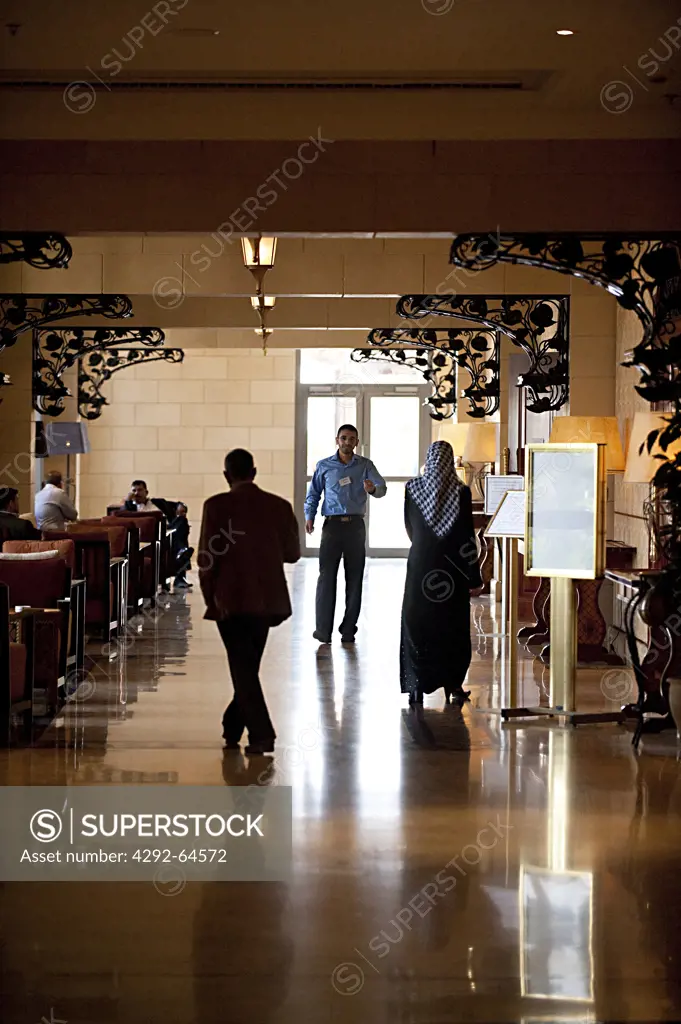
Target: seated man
138,499
11,526
52,505
181,551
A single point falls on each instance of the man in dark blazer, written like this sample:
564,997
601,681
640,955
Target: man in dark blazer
11,526
246,536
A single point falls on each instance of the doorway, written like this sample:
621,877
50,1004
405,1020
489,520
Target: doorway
394,432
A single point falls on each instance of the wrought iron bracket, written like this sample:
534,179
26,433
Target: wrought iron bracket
96,368
644,275
436,355
37,248
21,312
56,350
538,324
630,267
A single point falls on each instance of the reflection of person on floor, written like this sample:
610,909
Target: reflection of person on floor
345,479
243,974
246,536
442,573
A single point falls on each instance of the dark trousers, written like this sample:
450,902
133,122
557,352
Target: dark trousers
340,540
244,637
183,563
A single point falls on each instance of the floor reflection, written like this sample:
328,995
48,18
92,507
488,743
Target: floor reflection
446,867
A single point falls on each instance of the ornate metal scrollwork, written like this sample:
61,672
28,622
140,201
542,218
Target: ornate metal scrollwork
631,267
644,275
436,356
55,351
21,312
539,325
97,367
438,368
40,250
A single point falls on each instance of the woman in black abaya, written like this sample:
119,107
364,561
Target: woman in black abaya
442,571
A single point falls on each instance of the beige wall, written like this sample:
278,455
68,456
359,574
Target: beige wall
17,466
172,424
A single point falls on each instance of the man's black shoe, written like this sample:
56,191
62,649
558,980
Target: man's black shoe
322,639
347,639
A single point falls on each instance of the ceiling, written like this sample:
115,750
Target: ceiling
411,75
438,69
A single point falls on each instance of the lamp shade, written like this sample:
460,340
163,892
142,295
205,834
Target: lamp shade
591,430
66,438
259,252
456,434
641,469
481,443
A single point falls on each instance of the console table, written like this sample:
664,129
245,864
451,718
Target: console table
591,625
647,593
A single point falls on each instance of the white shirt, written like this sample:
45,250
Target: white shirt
52,508
146,506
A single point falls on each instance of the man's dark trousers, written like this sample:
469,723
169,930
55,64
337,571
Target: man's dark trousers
244,637
342,537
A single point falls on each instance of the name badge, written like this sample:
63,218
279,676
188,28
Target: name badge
345,481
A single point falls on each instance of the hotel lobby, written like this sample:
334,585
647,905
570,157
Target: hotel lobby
233,229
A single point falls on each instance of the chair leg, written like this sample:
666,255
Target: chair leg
27,724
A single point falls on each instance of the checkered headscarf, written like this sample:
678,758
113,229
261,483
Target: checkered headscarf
438,492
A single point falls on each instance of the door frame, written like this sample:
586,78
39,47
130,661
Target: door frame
363,394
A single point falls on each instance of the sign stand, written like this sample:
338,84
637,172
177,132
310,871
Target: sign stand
563,664
496,489
508,525
550,489
509,609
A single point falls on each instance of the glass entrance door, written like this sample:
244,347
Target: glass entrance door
395,443
323,415
394,431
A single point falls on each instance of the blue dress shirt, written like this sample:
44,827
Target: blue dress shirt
343,486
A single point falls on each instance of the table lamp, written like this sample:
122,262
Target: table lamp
591,430
640,469
455,433
480,447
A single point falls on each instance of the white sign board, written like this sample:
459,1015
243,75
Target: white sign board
496,487
509,518
556,935
566,513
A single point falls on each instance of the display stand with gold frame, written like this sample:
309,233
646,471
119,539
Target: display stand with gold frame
507,526
564,540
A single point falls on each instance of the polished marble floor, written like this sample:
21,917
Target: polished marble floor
564,845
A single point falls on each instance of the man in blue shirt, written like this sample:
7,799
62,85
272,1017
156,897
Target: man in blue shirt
346,479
